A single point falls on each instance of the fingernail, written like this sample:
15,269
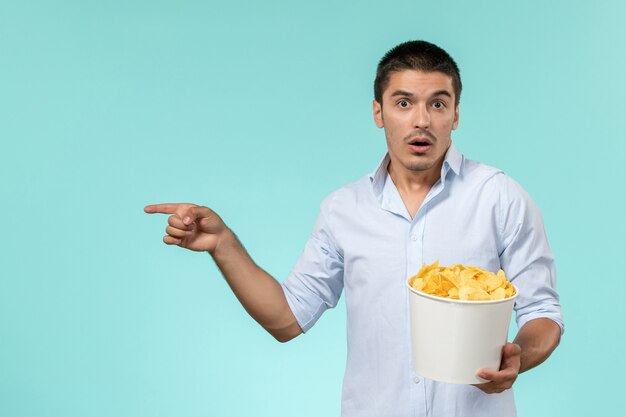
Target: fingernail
187,220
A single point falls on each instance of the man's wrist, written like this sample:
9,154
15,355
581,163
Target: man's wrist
226,242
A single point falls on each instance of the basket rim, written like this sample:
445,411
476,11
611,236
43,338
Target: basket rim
453,301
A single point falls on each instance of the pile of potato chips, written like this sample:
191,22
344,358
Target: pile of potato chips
462,282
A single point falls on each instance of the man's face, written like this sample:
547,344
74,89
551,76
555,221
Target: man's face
418,114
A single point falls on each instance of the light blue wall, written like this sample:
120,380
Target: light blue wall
260,109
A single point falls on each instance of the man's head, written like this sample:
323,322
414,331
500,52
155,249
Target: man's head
419,56
417,93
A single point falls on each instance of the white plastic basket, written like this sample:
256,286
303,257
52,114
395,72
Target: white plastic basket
453,339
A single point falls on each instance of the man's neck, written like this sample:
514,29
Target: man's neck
414,180
413,186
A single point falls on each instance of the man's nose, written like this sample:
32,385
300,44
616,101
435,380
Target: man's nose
421,117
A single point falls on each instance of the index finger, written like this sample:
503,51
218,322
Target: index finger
167,208
487,375
497,376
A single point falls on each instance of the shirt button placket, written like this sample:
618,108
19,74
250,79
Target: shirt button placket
414,252
414,262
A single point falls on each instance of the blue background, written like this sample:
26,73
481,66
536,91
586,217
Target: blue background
259,110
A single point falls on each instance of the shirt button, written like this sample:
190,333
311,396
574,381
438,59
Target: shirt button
413,238
416,380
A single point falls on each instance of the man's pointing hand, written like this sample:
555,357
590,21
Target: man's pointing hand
193,227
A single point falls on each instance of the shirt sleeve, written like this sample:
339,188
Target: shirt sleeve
316,281
525,256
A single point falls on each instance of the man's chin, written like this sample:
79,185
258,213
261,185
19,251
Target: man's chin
420,165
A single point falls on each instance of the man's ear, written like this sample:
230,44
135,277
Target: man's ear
455,122
378,113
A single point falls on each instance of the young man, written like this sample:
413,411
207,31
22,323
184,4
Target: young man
424,202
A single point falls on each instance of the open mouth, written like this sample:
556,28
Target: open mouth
420,145
421,141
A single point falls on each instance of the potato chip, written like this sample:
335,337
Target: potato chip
460,282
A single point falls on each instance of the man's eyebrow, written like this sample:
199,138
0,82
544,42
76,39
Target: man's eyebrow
442,93
408,94
401,93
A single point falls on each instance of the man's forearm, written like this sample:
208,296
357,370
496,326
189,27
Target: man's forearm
538,338
259,293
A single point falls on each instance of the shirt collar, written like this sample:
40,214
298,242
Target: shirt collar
452,161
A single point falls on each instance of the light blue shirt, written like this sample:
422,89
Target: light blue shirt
365,242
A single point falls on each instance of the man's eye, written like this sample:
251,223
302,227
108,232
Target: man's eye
438,104
403,103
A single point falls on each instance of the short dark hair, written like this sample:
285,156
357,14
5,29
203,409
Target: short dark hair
419,56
